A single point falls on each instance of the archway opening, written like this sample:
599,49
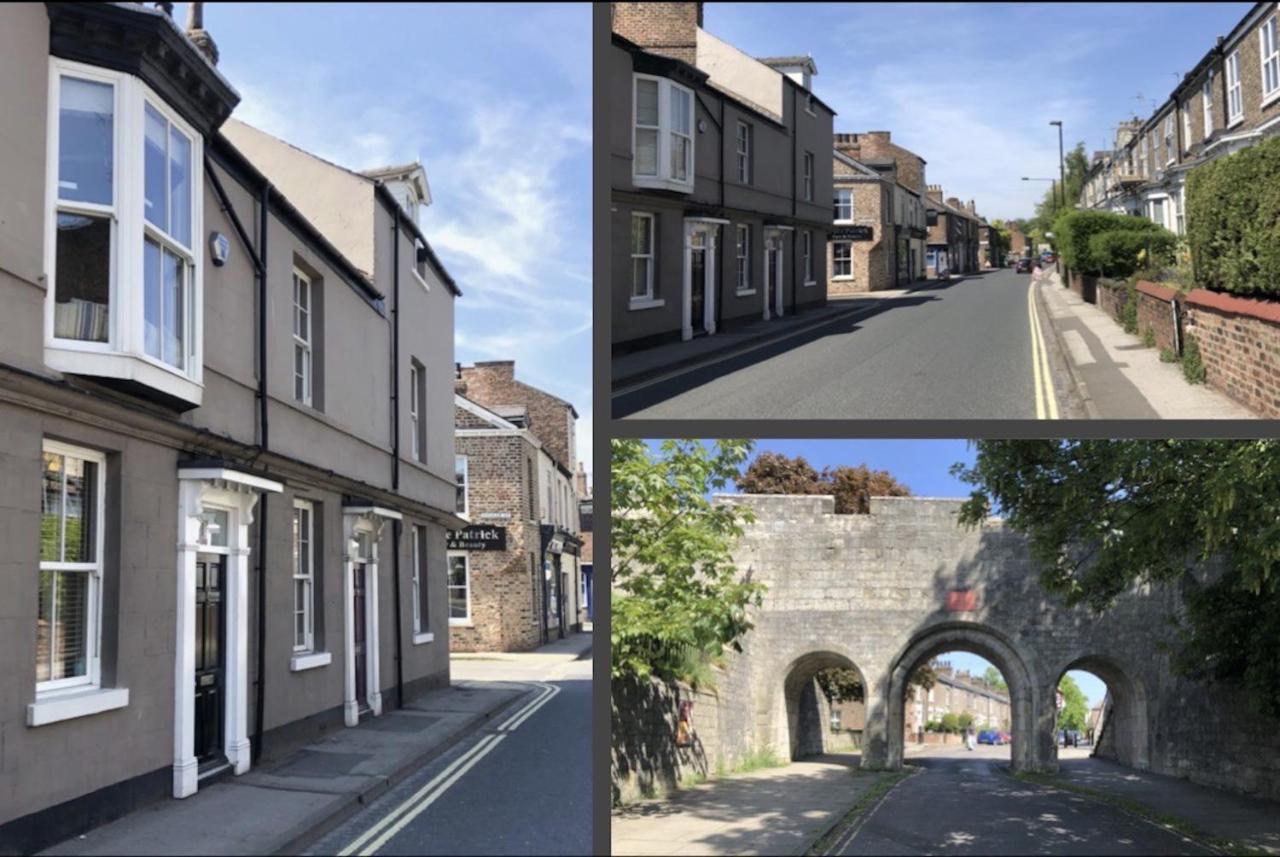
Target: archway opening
970,649
1102,712
825,696
958,701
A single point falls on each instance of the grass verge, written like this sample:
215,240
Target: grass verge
887,780
1141,810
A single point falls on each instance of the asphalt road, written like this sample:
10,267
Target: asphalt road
952,350
963,803
530,793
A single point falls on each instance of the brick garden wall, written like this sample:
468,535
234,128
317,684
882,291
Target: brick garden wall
1155,313
1112,297
1239,341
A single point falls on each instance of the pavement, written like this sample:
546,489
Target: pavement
964,802
1116,376
287,802
952,349
779,810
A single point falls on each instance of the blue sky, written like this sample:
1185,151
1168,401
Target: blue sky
971,87
495,100
924,467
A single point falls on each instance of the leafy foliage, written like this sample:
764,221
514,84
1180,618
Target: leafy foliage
1103,515
992,677
1107,244
1233,220
1075,711
677,597
1192,362
842,684
853,487
1050,207
951,722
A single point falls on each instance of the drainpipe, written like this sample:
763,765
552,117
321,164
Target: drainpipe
395,445
723,254
259,712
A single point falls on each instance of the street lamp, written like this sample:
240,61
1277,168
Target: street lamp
1062,170
1053,182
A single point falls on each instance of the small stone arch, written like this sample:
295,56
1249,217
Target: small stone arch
801,701
886,748
1126,732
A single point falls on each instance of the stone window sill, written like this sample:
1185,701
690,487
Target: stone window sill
309,661
420,639
52,709
461,623
744,293
645,303
808,283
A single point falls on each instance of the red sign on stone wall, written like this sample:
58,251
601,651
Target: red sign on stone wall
962,600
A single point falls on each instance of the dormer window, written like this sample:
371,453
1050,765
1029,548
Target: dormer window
662,143
122,251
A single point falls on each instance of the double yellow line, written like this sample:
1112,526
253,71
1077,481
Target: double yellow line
1046,401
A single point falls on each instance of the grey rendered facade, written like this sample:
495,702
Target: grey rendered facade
207,464
755,227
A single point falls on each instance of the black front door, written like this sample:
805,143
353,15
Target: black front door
698,281
210,633
360,635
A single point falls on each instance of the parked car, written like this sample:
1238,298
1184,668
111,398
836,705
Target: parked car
988,736
1024,266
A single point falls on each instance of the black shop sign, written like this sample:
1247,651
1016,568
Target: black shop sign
851,233
477,538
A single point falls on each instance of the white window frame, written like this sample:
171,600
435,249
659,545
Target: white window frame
1269,60
743,146
663,178
416,446
806,255
742,248
1206,104
1186,124
1170,150
1235,90
449,587
303,339
835,260
808,176
647,299
308,575
466,484
92,678
416,558
124,353
843,191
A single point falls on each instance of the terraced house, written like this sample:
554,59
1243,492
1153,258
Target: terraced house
1228,101
720,180
226,398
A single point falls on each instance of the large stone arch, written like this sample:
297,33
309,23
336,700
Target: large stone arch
806,707
1127,729
884,746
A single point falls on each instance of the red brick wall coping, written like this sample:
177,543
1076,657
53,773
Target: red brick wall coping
1250,307
1157,291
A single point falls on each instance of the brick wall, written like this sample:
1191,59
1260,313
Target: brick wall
493,384
1239,341
1112,297
871,259
669,29
1155,313
505,598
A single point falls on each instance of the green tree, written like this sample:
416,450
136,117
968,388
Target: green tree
1050,205
950,723
678,598
992,677
842,684
1104,515
853,487
1075,710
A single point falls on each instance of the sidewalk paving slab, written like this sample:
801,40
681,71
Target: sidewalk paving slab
1115,374
772,811
1251,822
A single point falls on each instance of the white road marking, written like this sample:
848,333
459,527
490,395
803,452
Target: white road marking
545,691
1080,353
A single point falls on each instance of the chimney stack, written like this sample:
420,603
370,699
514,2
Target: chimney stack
198,35
666,29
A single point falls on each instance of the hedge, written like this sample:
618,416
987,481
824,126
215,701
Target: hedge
1109,245
1233,221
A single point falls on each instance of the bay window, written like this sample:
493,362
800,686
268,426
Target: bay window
662,142
122,247
68,614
